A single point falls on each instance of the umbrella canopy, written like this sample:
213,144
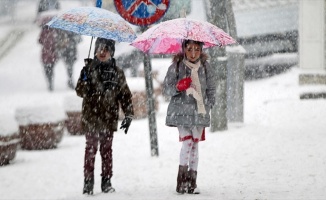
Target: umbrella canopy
166,37
96,22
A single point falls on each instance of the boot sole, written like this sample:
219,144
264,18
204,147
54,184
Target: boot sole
88,193
110,190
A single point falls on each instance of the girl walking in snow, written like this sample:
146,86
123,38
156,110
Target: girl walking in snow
191,83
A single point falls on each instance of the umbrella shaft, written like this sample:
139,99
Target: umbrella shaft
90,47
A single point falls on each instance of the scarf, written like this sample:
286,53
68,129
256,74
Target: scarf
195,89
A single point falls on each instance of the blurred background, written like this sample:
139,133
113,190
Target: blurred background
267,30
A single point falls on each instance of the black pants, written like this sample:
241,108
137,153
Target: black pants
48,69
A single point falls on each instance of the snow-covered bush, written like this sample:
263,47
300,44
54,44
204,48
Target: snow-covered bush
40,127
73,106
9,138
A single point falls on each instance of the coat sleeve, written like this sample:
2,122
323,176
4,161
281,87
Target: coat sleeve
83,84
211,80
170,82
125,96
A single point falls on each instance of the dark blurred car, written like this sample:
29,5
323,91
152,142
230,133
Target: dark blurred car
268,31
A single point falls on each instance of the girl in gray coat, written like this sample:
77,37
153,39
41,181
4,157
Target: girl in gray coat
191,83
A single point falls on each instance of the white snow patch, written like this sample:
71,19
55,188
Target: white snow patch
8,125
40,115
72,103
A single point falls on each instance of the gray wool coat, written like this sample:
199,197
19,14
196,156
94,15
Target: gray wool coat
182,109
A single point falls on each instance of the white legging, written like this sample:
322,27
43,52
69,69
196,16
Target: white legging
189,154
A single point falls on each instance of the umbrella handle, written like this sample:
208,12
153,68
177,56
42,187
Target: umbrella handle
88,60
90,47
99,3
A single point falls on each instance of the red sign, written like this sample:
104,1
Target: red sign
141,12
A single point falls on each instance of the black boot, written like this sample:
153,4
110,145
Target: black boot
50,84
106,185
49,75
88,186
182,179
69,72
192,178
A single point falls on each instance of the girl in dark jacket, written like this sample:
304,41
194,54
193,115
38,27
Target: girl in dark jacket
191,83
103,87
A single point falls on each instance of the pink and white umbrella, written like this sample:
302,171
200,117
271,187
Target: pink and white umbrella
166,37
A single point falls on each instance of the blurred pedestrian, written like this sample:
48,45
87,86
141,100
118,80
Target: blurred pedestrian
103,87
49,55
45,5
191,83
67,42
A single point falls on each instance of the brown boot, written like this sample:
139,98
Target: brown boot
192,177
182,179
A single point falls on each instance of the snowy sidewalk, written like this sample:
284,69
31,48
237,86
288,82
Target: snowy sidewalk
277,153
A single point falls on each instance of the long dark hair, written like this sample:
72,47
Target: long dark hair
186,42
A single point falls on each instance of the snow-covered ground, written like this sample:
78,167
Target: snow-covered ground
278,152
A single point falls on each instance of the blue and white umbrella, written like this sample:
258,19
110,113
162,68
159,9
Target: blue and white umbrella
95,22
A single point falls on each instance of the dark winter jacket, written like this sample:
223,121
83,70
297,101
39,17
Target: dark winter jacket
182,109
48,41
103,88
